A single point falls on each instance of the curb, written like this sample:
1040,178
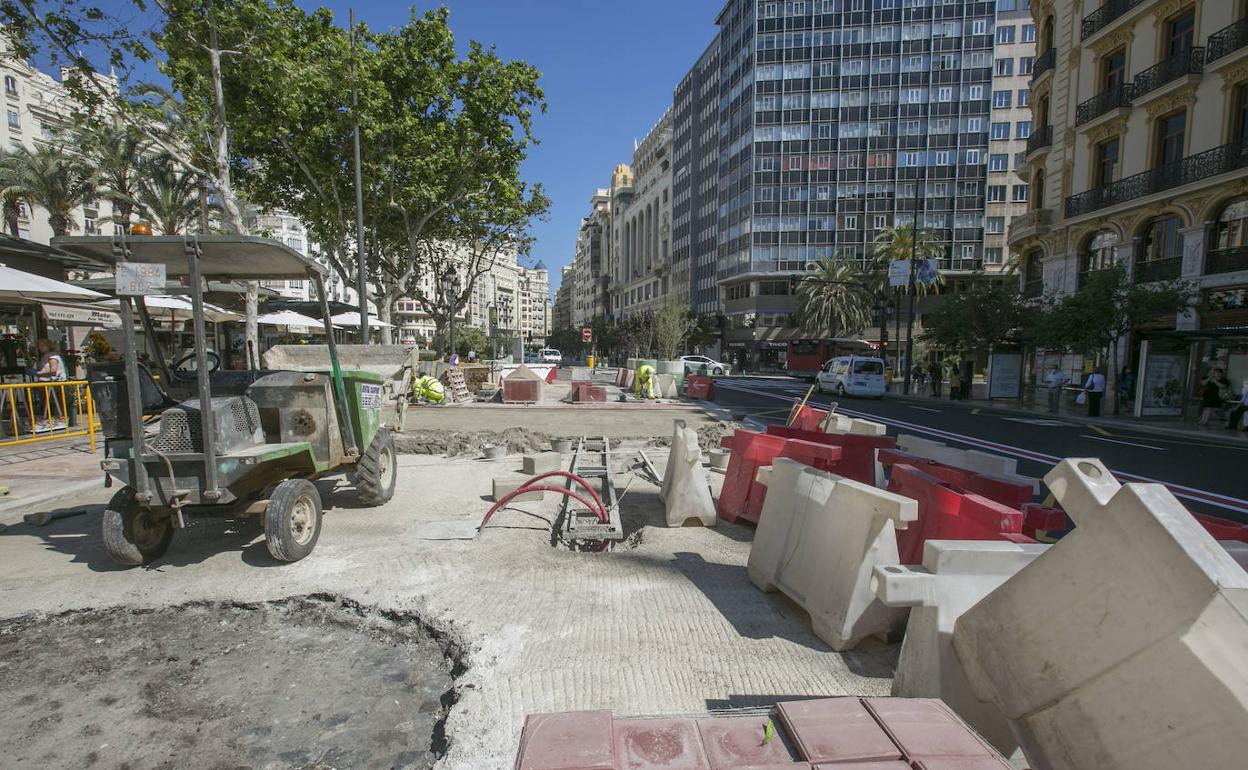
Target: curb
1144,427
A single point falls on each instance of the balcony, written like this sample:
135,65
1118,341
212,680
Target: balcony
1103,103
1227,41
1190,62
1033,224
1104,16
1150,270
1044,63
1194,168
1226,260
1039,139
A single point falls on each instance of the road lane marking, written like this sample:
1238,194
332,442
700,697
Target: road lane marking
975,410
1128,443
1189,493
1100,430
926,409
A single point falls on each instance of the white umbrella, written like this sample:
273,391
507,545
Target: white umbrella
351,320
288,318
179,307
28,287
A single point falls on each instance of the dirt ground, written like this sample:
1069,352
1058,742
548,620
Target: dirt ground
303,683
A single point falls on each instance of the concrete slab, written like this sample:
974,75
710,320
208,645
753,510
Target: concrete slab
818,540
1120,646
504,487
542,462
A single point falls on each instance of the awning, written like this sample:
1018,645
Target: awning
81,315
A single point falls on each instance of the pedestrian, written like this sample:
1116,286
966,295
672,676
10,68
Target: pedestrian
934,376
1126,384
1055,381
917,374
51,369
454,359
1094,387
1212,394
955,382
1232,422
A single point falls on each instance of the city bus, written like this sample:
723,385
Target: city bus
806,357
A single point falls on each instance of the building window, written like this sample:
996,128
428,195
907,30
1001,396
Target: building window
1026,64
999,162
968,251
1099,253
1000,131
851,223
942,158
1024,97
1020,193
1162,239
1180,32
973,158
1113,69
979,27
944,94
996,193
1001,99
1004,67
993,255
10,85
1171,135
1106,162
881,221
1232,225
1005,34
1029,33
1022,129
15,120
1239,117
995,225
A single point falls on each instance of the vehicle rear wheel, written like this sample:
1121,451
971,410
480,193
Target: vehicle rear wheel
376,471
292,520
818,385
840,390
135,535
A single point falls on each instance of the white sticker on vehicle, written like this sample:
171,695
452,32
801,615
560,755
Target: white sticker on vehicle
370,396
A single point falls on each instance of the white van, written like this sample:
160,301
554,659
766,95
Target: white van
550,356
852,376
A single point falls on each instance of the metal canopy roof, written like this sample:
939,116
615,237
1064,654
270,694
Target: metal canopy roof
233,257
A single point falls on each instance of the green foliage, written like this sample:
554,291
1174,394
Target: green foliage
468,338
636,333
168,197
672,325
984,316
51,177
704,331
894,243
115,149
566,341
835,300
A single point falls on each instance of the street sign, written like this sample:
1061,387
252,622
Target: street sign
136,279
898,273
587,334
926,271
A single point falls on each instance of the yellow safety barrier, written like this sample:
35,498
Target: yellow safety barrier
42,411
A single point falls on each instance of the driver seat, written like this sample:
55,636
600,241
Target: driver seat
111,393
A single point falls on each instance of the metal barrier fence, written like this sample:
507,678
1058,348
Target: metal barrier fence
42,411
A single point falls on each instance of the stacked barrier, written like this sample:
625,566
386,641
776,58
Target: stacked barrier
808,418
742,497
818,540
857,450
1015,492
1123,645
822,457
968,459
686,492
947,513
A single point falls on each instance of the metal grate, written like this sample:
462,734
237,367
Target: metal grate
245,415
179,432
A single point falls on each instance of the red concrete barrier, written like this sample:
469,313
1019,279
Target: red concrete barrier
577,387
857,451
701,387
808,418
949,513
1042,518
822,457
1012,493
750,451
621,376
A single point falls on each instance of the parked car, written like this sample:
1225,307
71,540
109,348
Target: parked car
530,357
550,356
694,364
852,376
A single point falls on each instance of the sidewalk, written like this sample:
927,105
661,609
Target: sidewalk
36,474
1215,433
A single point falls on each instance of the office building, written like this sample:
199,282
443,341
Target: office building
641,226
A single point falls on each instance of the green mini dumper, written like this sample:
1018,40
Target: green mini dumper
238,442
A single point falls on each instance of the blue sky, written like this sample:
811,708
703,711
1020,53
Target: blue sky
608,70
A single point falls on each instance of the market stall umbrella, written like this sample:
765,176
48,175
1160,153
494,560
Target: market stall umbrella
174,306
288,318
16,285
351,320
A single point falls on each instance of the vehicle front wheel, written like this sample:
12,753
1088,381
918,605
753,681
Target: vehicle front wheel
377,469
135,535
818,386
719,370
292,520
840,390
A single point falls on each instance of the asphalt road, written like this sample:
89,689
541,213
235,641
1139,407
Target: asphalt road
1206,476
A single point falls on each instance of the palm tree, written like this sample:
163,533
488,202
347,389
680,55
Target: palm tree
899,243
116,151
168,197
835,298
51,177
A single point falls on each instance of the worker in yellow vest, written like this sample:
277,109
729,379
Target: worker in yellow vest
429,389
645,381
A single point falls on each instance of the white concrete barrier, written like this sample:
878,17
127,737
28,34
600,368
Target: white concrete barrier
665,386
686,491
818,539
836,422
1124,645
969,459
955,575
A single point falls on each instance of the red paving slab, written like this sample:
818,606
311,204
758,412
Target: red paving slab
576,740
927,730
659,744
898,765
737,742
963,763
836,730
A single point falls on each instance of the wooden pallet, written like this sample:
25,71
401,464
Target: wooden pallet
458,388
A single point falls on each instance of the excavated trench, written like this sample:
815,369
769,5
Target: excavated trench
307,682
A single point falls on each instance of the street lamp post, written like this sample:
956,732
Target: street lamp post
450,290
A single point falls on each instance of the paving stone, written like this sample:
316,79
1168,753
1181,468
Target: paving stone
836,730
503,487
926,729
577,740
659,744
737,742
895,765
962,763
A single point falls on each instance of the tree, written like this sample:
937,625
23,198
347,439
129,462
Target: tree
672,325
835,299
115,149
985,316
1104,310
169,197
636,333
51,177
466,338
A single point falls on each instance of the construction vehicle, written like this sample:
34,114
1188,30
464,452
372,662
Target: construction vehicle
251,441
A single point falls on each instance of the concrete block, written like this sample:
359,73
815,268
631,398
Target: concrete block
862,427
542,462
503,487
718,458
955,575
1123,645
665,386
686,492
818,540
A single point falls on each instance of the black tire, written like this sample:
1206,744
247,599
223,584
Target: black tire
376,471
134,535
818,386
718,371
840,390
292,521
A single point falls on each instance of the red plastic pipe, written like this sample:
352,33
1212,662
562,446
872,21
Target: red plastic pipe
569,475
540,488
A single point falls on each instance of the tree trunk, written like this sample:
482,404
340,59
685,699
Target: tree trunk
1111,378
